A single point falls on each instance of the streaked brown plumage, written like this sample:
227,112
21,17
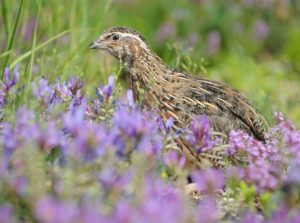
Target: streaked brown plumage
180,95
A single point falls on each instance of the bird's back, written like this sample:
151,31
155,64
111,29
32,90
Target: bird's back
226,108
187,96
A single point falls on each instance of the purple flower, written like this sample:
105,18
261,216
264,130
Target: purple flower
23,130
9,81
193,39
174,159
113,164
207,212
251,217
264,164
105,92
143,132
130,98
131,123
9,139
74,120
158,195
241,141
90,214
29,29
279,117
62,91
261,29
88,140
49,136
6,214
262,174
2,98
49,210
290,136
74,85
200,135
280,215
213,43
90,143
123,213
292,174
209,181
164,32
43,92
18,184
108,89
237,142
169,124
295,218
77,101
114,180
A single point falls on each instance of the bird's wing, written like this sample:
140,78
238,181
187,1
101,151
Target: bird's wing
222,98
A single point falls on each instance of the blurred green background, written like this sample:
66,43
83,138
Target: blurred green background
251,45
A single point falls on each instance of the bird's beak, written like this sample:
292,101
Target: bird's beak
96,45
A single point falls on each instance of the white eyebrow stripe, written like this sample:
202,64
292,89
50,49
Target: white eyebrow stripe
142,43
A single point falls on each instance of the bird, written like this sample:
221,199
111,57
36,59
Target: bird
180,95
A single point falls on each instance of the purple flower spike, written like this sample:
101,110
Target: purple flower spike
105,92
207,212
251,217
108,89
74,85
62,91
9,81
9,138
173,159
209,181
49,210
6,213
237,142
123,213
169,124
130,98
200,135
43,92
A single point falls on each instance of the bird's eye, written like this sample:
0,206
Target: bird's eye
115,37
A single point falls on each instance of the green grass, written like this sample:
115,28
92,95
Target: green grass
266,72
13,34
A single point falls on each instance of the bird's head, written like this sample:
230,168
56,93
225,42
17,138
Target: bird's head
121,42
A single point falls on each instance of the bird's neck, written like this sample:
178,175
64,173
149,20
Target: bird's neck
146,75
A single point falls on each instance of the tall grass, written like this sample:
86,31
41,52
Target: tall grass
13,34
55,44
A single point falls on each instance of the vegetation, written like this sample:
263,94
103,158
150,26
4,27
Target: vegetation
75,149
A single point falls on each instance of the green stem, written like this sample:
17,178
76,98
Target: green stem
12,38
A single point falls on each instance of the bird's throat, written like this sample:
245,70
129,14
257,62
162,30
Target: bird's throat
145,75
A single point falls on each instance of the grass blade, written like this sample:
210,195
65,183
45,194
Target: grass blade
32,57
4,15
40,46
12,37
5,53
27,54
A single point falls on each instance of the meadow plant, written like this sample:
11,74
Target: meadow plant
105,158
